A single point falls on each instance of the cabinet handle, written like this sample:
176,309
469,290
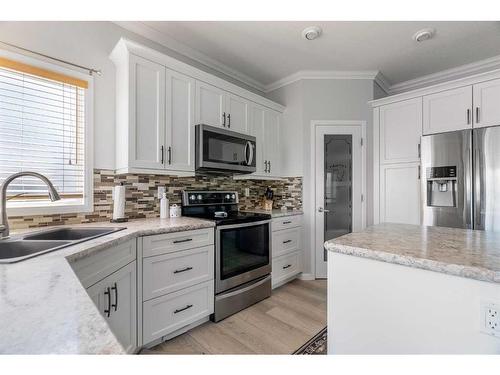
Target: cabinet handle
169,154
108,310
468,116
228,120
419,150
287,222
183,309
224,118
287,241
477,115
162,152
418,172
287,266
183,270
115,305
185,240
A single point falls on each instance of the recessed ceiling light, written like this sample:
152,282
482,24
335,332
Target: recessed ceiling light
423,35
311,33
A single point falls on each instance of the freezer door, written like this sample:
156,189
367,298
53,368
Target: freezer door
446,179
486,159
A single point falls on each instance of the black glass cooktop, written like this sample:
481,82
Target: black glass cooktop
233,217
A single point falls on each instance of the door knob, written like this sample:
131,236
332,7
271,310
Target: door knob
321,209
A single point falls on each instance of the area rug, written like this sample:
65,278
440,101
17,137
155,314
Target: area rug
317,345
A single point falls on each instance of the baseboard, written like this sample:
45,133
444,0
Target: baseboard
307,276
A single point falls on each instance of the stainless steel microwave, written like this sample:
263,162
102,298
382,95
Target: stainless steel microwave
224,151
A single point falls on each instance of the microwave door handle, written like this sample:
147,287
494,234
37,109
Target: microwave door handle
249,153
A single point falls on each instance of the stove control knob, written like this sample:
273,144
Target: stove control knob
227,196
233,196
199,197
192,197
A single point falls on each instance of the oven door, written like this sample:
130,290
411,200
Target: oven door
243,253
223,150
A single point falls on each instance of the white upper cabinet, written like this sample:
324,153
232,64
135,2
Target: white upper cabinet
487,103
210,105
256,128
179,153
147,113
400,193
400,131
448,110
271,142
237,113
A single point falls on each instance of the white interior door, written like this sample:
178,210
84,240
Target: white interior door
339,186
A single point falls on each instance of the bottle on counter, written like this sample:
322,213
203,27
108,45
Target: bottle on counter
164,204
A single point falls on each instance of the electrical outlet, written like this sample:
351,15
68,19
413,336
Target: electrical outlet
247,192
490,318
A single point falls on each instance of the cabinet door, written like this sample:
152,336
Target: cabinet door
210,105
147,113
118,293
400,131
487,104
400,193
256,129
272,141
448,111
237,113
179,153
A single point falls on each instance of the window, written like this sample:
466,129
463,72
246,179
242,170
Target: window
43,128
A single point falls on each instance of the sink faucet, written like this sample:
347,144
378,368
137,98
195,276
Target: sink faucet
4,223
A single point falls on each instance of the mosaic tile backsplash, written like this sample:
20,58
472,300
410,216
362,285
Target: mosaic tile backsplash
142,192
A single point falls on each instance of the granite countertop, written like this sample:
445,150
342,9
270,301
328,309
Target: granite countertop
45,309
460,252
276,212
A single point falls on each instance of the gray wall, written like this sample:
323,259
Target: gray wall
89,44
327,99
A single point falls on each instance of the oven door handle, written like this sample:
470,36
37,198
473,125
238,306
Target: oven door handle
243,225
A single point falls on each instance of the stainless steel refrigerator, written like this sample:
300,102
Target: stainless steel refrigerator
461,179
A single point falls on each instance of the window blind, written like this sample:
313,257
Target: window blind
42,130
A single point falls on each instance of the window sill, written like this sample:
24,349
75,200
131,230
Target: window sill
64,206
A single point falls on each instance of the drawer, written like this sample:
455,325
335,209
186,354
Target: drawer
166,314
286,241
97,266
286,266
168,273
172,242
286,222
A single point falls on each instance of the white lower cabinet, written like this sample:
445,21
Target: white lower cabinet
286,248
173,311
116,298
177,283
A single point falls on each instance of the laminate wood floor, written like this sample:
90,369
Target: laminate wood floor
280,324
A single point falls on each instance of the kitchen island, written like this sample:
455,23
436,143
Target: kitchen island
404,289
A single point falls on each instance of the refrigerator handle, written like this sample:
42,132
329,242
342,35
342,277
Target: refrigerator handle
478,194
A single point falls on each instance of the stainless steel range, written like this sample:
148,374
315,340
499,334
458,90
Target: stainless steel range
242,249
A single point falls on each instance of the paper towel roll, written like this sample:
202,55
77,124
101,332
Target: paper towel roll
118,202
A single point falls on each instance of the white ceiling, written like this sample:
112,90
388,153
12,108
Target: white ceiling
262,53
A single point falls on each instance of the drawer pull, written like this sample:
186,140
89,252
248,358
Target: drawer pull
181,241
115,305
183,309
183,270
287,241
108,293
287,222
287,266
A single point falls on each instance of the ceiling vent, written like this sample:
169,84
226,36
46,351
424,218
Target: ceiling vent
311,33
423,35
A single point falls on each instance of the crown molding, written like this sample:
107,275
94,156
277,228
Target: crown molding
458,72
183,49
329,74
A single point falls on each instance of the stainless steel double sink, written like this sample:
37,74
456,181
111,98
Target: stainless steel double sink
17,249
